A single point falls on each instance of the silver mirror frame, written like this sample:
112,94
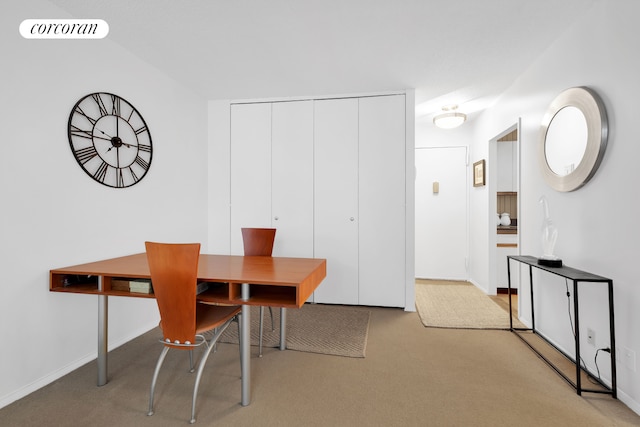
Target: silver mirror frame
590,104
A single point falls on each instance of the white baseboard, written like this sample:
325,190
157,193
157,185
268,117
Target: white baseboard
627,400
59,373
43,381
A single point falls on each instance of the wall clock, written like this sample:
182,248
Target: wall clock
110,140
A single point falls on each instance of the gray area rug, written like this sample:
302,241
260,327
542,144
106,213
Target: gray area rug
314,328
460,305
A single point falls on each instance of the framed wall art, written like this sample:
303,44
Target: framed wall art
478,173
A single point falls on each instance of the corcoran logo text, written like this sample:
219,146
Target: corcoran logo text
64,29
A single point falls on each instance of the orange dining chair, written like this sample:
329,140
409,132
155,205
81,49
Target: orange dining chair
174,271
259,242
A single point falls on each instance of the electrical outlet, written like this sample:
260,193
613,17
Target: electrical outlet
629,357
591,337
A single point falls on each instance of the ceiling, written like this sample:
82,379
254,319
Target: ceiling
464,52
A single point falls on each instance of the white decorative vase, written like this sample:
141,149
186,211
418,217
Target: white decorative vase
549,232
505,219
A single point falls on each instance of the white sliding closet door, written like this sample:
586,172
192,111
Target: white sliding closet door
382,201
292,178
329,175
250,170
336,198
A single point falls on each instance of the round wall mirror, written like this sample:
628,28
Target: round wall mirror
574,138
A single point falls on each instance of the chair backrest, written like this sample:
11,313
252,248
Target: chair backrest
258,241
174,276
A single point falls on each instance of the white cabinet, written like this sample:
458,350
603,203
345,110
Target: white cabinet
506,245
292,178
250,170
272,174
381,199
507,170
336,198
329,174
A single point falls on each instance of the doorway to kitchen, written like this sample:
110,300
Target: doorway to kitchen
504,207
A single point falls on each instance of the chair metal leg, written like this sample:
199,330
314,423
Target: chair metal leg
202,362
155,377
191,368
273,327
237,320
210,345
260,331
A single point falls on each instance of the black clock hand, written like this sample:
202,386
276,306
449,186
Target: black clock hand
102,132
102,137
117,154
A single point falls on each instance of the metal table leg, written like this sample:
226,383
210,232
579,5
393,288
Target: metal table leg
576,320
283,328
612,341
245,322
103,320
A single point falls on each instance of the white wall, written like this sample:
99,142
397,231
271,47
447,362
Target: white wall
597,224
54,215
219,137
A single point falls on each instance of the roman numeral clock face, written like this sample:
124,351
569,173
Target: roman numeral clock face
110,140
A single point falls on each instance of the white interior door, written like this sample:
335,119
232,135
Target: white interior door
336,198
441,240
292,178
250,170
382,201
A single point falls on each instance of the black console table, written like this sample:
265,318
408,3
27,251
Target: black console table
576,276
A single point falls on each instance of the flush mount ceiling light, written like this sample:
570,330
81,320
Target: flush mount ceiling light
450,118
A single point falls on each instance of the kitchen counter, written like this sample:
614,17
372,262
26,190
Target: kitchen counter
507,229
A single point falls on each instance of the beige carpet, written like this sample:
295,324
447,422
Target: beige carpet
315,328
450,304
412,376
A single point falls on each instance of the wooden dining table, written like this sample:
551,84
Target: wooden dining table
232,279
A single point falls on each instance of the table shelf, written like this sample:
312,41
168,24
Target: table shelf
273,296
89,284
220,293
72,282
